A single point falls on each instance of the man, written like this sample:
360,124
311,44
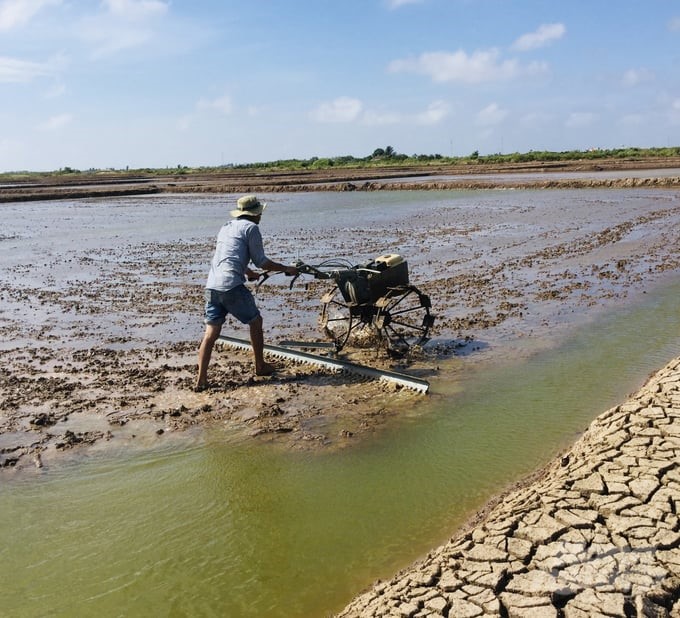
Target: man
239,242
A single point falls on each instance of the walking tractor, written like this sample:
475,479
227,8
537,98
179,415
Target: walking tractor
371,304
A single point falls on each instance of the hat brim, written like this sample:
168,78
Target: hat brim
254,212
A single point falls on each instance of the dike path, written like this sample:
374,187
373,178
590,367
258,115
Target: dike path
596,533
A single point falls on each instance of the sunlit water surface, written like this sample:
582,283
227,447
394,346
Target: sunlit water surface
215,527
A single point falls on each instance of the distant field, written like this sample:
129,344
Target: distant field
376,176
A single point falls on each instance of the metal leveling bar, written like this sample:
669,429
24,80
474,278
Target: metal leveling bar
335,364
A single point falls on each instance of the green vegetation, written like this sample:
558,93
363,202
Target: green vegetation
380,157
388,156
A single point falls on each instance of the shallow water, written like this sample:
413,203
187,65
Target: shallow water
207,524
545,175
215,527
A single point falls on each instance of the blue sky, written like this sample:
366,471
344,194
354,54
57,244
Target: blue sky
158,83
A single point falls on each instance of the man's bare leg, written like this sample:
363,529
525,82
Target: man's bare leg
212,332
257,341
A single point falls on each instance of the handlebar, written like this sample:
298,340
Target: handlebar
315,271
309,269
328,269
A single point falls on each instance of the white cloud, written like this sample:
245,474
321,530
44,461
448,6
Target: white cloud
578,120
546,33
536,120
633,77
221,104
434,114
108,39
56,91
674,112
377,119
480,66
14,70
632,120
184,122
125,25
136,9
56,122
492,114
674,24
395,4
6,145
342,109
345,109
15,13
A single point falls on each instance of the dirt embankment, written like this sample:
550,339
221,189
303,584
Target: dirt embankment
595,534
389,177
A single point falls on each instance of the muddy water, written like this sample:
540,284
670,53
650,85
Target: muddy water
209,524
216,527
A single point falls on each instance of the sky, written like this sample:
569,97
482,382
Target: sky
160,83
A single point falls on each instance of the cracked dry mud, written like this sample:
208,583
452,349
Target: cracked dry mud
597,533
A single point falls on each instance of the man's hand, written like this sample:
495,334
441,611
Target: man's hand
252,275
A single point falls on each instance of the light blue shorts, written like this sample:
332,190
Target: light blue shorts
238,302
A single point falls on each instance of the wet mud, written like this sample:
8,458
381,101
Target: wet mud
99,339
610,173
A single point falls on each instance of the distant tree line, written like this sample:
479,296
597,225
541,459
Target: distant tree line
380,156
388,156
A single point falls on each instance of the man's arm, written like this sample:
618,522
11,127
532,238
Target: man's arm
258,257
276,267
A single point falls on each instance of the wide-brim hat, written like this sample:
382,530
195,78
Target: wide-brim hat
248,205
